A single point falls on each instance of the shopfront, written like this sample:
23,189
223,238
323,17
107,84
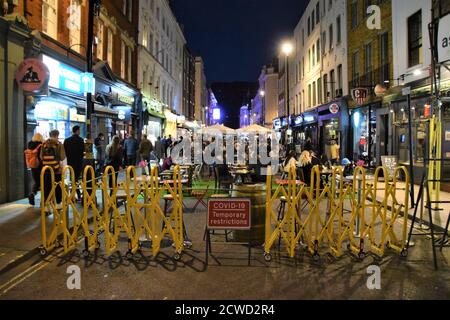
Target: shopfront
154,119
64,106
333,128
172,122
364,134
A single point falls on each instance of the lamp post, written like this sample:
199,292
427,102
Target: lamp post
94,8
262,93
287,49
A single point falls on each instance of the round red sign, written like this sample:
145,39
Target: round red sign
334,108
32,75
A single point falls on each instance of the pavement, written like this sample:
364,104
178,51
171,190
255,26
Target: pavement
24,274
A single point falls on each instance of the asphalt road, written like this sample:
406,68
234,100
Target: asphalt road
25,275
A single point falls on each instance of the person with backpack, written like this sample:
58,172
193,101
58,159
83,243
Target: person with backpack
34,162
52,154
74,149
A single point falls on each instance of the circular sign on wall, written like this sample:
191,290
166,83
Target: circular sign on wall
32,75
334,108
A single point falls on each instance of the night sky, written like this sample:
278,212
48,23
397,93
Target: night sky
237,37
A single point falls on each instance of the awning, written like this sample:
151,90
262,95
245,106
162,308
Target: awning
155,114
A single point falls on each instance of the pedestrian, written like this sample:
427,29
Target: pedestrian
113,158
74,149
34,162
131,147
159,150
52,154
168,145
99,144
145,148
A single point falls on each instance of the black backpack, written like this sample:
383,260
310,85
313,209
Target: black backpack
50,156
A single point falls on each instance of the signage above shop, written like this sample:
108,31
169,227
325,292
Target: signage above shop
32,75
298,120
334,108
67,78
443,41
360,95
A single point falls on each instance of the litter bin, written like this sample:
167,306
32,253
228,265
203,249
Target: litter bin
257,195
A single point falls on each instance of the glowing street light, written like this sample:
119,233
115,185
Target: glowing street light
287,48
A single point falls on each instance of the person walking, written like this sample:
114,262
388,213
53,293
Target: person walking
34,162
131,147
159,150
74,149
145,148
99,144
52,154
113,158
169,143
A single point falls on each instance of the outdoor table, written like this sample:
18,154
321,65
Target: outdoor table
359,195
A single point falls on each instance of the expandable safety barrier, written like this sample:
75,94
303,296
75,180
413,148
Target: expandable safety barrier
132,208
339,212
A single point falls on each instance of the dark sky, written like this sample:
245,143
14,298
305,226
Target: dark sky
237,37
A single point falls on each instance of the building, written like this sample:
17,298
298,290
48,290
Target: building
412,61
213,114
161,58
188,84
54,34
369,64
244,117
201,91
318,78
265,103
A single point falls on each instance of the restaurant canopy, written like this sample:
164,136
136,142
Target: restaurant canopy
217,130
254,128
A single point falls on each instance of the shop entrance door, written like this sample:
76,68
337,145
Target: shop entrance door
383,143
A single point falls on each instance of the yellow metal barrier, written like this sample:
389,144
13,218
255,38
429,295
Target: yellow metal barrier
316,217
142,216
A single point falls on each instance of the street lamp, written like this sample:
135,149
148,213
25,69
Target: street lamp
287,49
262,93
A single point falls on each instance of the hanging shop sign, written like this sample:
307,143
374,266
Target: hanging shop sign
360,95
298,120
229,214
277,124
32,75
443,41
334,108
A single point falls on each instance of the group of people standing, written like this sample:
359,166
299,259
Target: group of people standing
119,154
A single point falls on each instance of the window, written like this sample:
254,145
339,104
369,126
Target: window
110,48
354,14
313,19
314,93
313,57
415,39
303,37
122,59
50,18
319,90
384,56
157,51
75,25
367,3
355,65
338,26
151,44
339,79
309,60
368,58
309,26
330,4
130,10
318,50
130,62
303,67
330,32
145,36
324,42
157,13
325,87
309,96
100,40
318,12
333,84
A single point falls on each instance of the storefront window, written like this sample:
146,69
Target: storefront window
364,136
331,137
